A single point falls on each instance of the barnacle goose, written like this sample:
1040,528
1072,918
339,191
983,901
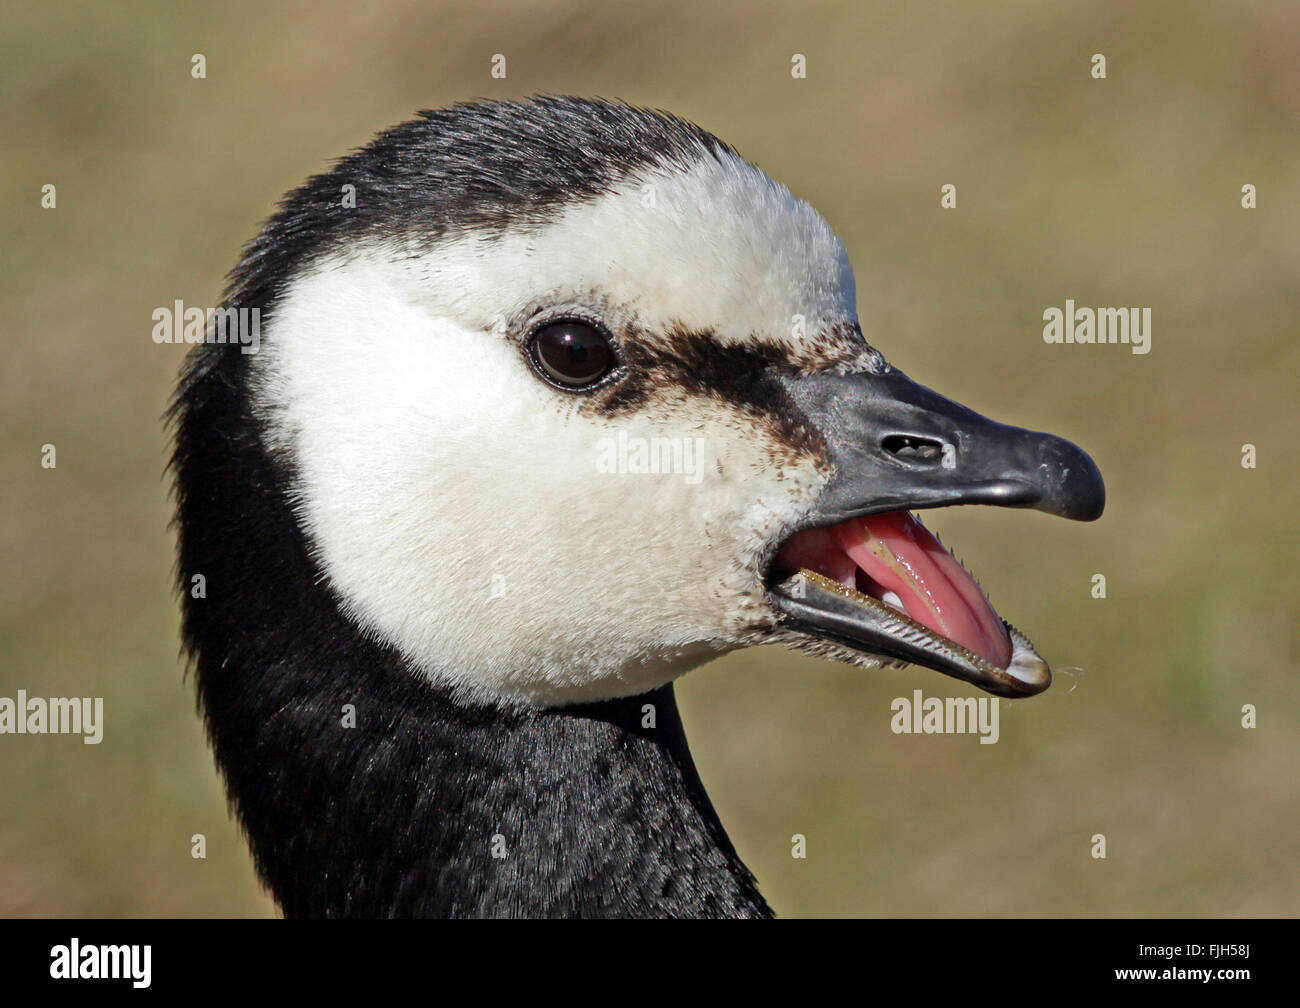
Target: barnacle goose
555,400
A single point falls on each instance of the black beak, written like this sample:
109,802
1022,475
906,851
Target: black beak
896,445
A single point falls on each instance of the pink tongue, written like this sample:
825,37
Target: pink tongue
901,555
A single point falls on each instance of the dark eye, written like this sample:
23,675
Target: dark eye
572,354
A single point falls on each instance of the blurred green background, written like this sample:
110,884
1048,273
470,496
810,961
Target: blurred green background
1124,191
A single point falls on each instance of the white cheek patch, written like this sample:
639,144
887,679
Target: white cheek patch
502,540
508,543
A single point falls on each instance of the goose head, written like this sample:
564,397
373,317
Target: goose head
574,399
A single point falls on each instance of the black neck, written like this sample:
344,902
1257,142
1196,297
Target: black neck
414,804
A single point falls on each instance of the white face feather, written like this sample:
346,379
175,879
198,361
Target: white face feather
462,508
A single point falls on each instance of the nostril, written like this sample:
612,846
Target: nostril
911,448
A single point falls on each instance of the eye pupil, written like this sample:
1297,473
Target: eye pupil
572,354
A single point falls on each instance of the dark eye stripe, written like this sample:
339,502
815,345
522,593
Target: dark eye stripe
571,354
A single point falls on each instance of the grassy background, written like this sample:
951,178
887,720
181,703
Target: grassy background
1117,192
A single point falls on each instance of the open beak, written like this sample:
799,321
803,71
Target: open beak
860,570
